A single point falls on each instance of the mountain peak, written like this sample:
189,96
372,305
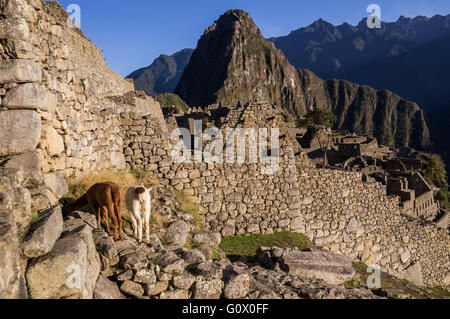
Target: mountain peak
233,53
239,13
321,24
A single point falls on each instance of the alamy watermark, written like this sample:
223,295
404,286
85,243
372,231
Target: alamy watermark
232,149
374,20
74,278
374,280
74,18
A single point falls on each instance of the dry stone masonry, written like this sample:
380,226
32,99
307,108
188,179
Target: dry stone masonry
53,85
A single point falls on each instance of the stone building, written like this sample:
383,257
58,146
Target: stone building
417,197
353,146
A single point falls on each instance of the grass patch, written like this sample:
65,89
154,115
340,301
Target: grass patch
191,244
186,205
4,160
441,291
216,253
246,246
117,268
158,220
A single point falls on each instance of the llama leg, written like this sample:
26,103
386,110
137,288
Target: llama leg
139,227
147,226
105,216
119,217
99,217
113,218
134,225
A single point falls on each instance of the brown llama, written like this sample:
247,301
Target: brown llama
103,197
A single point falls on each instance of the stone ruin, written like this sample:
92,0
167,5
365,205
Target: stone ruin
65,113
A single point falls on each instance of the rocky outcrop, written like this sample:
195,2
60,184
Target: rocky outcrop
74,264
43,234
34,179
331,268
106,289
177,233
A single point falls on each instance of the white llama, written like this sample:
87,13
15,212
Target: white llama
138,201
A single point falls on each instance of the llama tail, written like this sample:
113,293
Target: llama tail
78,204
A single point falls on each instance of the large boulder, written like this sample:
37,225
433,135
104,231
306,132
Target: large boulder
32,96
34,178
205,238
184,281
43,234
53,142
135,260
56,187
14,28
70,270
177,233
12,284
22,211
145,276
20,131
88,218
413,273
207,289
237,286
106,247
331,268
170,263
157,288
132,289
19,71
106,289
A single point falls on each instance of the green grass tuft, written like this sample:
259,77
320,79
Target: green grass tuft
246,246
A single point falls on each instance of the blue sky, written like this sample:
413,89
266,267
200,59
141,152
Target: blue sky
133,33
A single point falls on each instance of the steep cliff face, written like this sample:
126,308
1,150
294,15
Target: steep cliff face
163,75
234,63
364,110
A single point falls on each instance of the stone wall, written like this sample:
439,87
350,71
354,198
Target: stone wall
53,84
234,199
344,214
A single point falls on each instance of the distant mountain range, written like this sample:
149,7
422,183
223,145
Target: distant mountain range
163,74
341,51
409,57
